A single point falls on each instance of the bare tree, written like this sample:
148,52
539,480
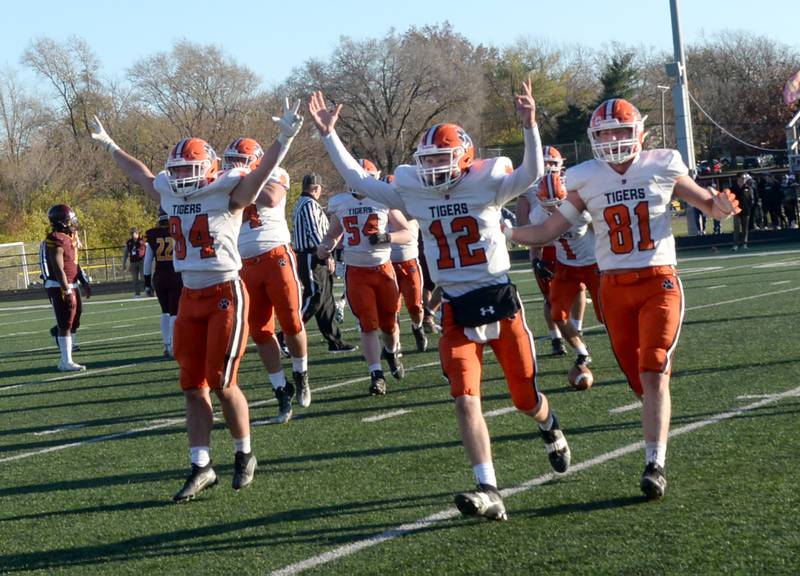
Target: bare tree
396,87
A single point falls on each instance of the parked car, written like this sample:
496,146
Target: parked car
751,162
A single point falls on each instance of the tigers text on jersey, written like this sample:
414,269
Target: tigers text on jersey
204,230
263,229
576,246
631,211
360,218
409,250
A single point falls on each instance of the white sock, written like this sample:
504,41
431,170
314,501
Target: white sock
655,452
300,364
172,328
388,351
484,474
65,344
373,367
581,349
416,326
547,424
555,333
200,455
165,332
74,338
278,379
242,444
578,324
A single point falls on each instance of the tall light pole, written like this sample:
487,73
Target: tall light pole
663,90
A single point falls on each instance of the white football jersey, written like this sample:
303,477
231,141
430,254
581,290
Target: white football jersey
263,228
360,219
409,250
631,212
576,246
204,230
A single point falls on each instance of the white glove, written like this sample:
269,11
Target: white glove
100,135
289,124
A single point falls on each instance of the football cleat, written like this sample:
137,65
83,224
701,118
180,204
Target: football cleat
341,347
303,389
420,339
555,443
583,360
201,477
70,367
429,325
377,386
558,347
244,468
654,481
395,364
284,397
485,502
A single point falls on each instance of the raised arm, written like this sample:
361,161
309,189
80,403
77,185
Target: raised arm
557,224
719,205
247,189
347,166
134,169
532,167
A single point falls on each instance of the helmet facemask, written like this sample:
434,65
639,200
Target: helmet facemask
439,177
615,114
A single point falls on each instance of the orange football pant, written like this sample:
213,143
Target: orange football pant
643,312
409,279
566,285
275,290
210,335
373,296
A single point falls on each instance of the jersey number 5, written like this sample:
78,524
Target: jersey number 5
620,232
199,236
466,229
350,224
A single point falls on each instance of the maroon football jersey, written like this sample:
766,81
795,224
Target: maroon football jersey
162,245
70,247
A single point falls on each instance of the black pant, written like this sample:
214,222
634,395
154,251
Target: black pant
318,294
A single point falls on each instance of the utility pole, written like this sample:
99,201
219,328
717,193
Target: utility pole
663,90
680,100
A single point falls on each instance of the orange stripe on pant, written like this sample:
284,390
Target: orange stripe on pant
643,312
409,279
462,359
210,335
373,296
275,290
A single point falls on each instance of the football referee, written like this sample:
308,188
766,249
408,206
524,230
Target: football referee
310,226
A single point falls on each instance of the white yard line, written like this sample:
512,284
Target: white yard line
753,396
385,415
427,522
86,373
778,283
626,408
500,412
717,287
82,343
57,430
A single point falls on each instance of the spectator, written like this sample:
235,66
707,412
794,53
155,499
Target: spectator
789,191
134,253
742,188
772,201
310,226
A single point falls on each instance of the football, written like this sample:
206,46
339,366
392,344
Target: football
580,377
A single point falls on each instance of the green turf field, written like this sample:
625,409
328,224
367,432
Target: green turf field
89,462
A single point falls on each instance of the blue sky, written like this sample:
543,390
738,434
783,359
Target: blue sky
273,38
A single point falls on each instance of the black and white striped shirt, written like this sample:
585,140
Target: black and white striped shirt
310,224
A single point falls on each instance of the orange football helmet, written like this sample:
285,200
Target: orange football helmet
610,115
553,161
280,176
370,168
552,191
242,153
444,139
197,154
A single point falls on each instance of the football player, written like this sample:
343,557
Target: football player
205,209
370,282
62,278
457,199
166,283
269,270
543,258
576,266
627,191
407,270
